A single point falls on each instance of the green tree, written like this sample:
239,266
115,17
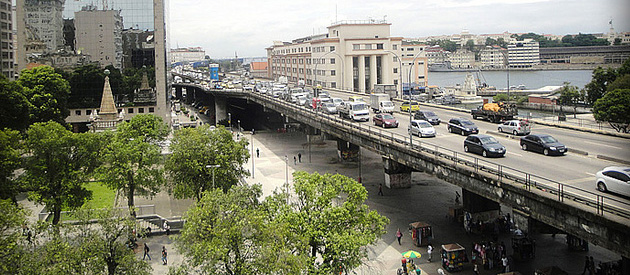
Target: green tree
47,92
133,156
617,41
329,215
583,40
11,237
445,44
15,110
621,82
614,108
58,164
599,83
86,86
231,233
570,96
195,148
470,45
10,161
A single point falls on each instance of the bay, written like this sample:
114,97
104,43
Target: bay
531,79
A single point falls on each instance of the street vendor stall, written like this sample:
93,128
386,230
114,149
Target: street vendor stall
421,233
453,257
523,247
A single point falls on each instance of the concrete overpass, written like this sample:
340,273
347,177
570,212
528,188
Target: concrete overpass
581,213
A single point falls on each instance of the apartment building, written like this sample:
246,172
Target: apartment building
414,64
493,57
352,55
192,54
99,34
462,59
6,40
523,54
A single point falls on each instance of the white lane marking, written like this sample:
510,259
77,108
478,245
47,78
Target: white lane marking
579,180
599,144
590,174
515,154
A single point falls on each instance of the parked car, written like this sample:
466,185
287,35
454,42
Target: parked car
385,120
516,127
421,128
543,143
404,107
462,126
329,108
614,179
485,145
429,116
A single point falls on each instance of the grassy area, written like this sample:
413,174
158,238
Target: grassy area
102,196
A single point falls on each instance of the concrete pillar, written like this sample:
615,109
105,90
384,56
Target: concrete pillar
396,174
361,73
220,109
347,151
521,220
480,208
373,74
178,92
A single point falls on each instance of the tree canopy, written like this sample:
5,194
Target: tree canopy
601,80
614,108
58,164
11,237
570,96
47,93
10,161
16,107
194,149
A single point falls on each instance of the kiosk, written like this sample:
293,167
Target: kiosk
453,257
421,233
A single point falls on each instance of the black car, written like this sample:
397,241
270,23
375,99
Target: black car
485,145
462,126
429,116
543,143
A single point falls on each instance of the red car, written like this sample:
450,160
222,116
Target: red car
385,120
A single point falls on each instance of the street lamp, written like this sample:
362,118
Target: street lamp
253,171
230,121
213,168
286,175
409,79
399,72
239,125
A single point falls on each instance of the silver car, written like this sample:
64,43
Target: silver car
614,179
329,108
421,128
515,127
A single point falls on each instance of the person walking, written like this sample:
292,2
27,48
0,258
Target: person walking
476,269
257,152
380,189
300,157
294,160
587,265
429,251
504,261
146,252
399,235
591,266
164,255
167,228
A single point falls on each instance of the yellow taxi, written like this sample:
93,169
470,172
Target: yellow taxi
404,107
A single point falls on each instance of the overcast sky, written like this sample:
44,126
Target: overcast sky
249,26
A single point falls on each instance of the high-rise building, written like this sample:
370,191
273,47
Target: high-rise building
123,33
6,39
523,54
187,54
99,34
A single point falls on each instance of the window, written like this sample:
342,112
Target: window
410,49
89,112
332,61
395,59
151,109
356,46
77,112
141,110
333,84
332,72
395,81
394,47
368,46
130,111
379,46
395,70
332,48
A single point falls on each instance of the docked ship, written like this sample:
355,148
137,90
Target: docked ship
446,67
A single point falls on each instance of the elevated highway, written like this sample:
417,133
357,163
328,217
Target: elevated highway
545,196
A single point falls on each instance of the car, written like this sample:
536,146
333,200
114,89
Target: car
404,107
543,143
329,108
385,120
614,179
515,126
462,126
429,116
421,128
484,145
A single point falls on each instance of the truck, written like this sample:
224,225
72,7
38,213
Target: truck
389,89
495,112
381,103
357,111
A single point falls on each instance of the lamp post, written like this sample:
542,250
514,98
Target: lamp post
239,125
286,175
253,158
213,168
230,121
399,73
409,79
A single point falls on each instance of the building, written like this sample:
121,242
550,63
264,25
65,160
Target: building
414,64
186,55
493,57
258,69
39,28
6,40
462,59
353,55
436,55
523,54
595,55
133,36
99,34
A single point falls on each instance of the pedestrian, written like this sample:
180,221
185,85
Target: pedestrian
380,189
399,235
587,265
294,160
257,152
476,269
300,157
504,261
429,251
253,131
146,252
591,266
164,255
404,265
167,228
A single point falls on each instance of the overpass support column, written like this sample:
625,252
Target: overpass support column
480,208
396,174
347,151
220,109
178,92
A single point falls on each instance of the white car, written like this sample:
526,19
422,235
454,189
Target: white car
421,128
614,179
515,127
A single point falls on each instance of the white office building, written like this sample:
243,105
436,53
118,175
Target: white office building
493,57
523,54
186,55
99,34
